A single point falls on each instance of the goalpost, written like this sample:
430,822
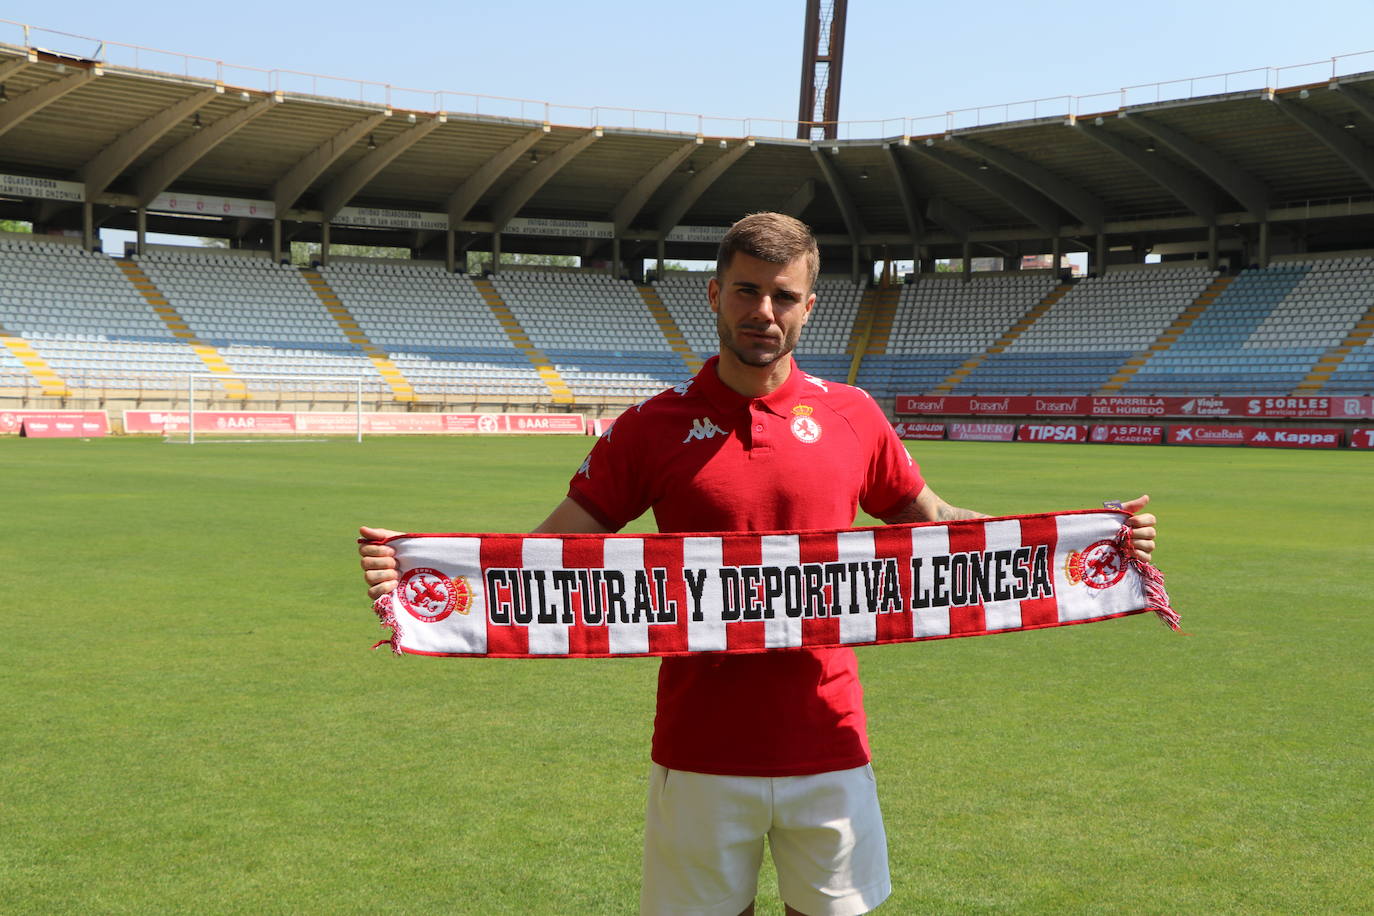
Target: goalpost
269,408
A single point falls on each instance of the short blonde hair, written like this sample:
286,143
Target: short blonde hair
773,237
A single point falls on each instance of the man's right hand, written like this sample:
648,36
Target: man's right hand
378,561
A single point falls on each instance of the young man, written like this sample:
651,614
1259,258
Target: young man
772,744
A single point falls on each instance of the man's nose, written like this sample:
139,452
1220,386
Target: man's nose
763,308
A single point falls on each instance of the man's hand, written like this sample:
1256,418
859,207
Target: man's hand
1142,527
379,561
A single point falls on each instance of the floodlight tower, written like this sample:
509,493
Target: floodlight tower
822,60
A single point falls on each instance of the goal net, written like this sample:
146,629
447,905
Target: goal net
267,408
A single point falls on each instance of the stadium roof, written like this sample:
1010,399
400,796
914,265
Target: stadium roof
1298,160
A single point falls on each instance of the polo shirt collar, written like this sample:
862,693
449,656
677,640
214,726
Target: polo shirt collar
725,399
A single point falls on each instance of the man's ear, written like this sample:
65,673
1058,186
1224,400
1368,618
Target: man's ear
713,294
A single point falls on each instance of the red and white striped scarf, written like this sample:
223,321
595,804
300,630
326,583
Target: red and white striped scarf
606,596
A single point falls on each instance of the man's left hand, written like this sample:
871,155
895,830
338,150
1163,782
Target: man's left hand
1142,527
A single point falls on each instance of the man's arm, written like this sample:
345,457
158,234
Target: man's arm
379,560
929,507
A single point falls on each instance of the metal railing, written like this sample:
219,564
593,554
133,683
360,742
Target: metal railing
190,66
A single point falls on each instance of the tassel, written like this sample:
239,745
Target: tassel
386,616
1156,598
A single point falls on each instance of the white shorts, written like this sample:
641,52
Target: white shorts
703,842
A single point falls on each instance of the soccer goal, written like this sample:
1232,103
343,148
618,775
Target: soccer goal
267,408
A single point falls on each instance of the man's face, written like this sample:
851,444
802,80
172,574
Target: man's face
760,308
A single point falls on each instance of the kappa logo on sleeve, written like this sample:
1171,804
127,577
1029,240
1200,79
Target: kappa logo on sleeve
704,429
430,596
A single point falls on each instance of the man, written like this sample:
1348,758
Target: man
774,744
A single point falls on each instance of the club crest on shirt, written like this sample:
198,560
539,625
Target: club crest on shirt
804,426
1099,565
430,596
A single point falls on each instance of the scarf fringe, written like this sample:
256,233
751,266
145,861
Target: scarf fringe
386,617
1156,598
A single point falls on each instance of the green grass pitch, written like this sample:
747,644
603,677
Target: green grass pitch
191,720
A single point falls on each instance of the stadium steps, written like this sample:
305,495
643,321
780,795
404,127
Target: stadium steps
50,384
401,389
1167,337
877,311
176,324
562,394
671,332
1332,359
1016,330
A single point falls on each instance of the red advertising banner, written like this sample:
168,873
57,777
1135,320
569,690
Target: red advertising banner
1052,432
1352,408
54,423
1269,408
1362,437
343,422
982,432
1208,435
919,430
1294,437
1122,434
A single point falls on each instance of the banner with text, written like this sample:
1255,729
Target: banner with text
616,596
1326,407
346,423
49,423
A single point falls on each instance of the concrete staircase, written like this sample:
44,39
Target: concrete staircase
50,384
877,309
1011,334
209,356
1332,358
1167,336
671,332
558,388
401,389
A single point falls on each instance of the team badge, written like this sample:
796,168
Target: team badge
1099,565
429,595
804,426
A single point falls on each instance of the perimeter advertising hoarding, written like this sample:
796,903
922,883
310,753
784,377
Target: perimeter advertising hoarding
1362,437
1294,437
54,423
344,423
1127,434
1325,407
1207,435
982,432
1052,432
907,430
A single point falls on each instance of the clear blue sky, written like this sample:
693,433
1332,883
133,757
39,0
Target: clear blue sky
739,58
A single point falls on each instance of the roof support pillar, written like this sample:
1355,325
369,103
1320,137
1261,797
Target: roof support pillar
1263,258
966,273
1213,261
1057,247
324,243
450,250
495,253
141,230
1100,255
88,225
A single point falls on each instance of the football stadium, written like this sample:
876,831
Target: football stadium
244,311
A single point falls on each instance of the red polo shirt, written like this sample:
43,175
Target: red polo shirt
706,458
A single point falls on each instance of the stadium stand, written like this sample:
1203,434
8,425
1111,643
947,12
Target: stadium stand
436,328
1265,332
261,316
1080,342
596,330
83,318
941,322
